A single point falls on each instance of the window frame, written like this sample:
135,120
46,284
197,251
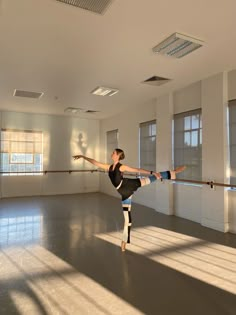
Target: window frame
143,162
21,142
184,153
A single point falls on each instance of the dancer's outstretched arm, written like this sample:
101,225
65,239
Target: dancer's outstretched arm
92,161
126,168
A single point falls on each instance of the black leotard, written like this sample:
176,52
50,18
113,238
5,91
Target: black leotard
115,175
127,186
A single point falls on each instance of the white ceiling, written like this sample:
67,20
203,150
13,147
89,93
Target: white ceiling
65,52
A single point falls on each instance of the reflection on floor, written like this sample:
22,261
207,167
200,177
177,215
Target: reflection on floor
61,255
15,229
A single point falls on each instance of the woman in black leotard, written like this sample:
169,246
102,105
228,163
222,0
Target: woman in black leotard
127,186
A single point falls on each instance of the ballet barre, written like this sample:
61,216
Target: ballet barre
51,171
209,183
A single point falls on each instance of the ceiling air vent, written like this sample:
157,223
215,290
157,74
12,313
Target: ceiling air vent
28,94
177,45
156,81
96,6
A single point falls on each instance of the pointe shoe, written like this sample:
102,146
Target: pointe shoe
180,169
123,244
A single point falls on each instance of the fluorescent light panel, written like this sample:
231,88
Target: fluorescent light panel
75,110
104,91
177,45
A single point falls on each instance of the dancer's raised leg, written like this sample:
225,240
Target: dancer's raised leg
162,175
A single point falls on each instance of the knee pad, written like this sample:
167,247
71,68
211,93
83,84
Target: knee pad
166,175
152,178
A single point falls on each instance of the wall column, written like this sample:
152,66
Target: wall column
215,151
164,114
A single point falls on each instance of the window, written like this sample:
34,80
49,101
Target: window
188,144
232,141
21,152
112,143
147,145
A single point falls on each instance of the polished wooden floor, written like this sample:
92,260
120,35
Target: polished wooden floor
61,255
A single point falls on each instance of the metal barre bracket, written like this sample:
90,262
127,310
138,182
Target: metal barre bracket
211,183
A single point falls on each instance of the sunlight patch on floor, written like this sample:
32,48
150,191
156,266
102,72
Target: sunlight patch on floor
38,282
209,262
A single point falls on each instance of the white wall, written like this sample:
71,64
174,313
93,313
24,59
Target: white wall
187,198
163,197
63,137
188,98
232,193
199,203
215,150
164,114
213,208
128,125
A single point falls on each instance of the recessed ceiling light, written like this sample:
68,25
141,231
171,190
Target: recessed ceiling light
104,91
177,45
72,110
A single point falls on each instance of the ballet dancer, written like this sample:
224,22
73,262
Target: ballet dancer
127,186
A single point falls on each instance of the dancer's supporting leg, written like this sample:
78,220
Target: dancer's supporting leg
126,206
